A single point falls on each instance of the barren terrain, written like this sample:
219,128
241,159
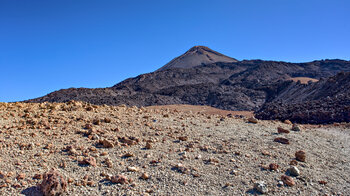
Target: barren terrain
162,151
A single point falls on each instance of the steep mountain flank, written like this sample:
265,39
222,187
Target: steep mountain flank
325,101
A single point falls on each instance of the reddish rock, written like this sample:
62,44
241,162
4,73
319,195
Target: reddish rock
281,130
127,155
273,166
287,180
148,145
252,120
293,162
288,122
281,140
89,161
120,179
145,176
322,182
183,138
106,143
300,155
53,183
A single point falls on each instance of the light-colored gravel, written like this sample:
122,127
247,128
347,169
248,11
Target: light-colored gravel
191,153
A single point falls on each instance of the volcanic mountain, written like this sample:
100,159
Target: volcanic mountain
197,55
202,76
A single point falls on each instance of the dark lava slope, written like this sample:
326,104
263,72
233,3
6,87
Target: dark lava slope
224,83
325,101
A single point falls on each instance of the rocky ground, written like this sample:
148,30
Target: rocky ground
115,150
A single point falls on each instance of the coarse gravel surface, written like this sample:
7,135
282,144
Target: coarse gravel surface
188,153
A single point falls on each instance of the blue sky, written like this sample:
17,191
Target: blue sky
50,45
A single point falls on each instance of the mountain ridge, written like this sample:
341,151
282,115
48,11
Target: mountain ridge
241,85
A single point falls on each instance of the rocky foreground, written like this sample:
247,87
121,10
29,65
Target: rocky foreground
81,149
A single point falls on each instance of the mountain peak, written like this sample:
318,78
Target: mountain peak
197,55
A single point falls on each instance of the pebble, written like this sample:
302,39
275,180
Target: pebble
133,169
253,120
280,183
106,143
145,176
273,166
300,155
261,187
281,140
296,127
288,122
148,145
282,130
293,171
287,180
89,161
120,179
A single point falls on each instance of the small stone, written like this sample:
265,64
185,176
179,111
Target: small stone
148,145
261,187
181,169
53,183
90,183
322,182
88,161
107,120
281,130
293,171
96,122
253,120
234,172
280,183
288,122
273,166
296,127
293,162
106,143
287,180
108,162
127,155
281,140
95,137
120,179
133,169
145,176
183,138
266,153
300,155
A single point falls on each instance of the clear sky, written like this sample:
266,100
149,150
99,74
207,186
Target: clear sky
48,45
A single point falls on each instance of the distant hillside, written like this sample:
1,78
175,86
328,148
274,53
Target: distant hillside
323,102
234,85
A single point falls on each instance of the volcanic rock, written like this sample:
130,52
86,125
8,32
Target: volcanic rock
261,187
287,180
53,183
300,156
293,171
281,140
